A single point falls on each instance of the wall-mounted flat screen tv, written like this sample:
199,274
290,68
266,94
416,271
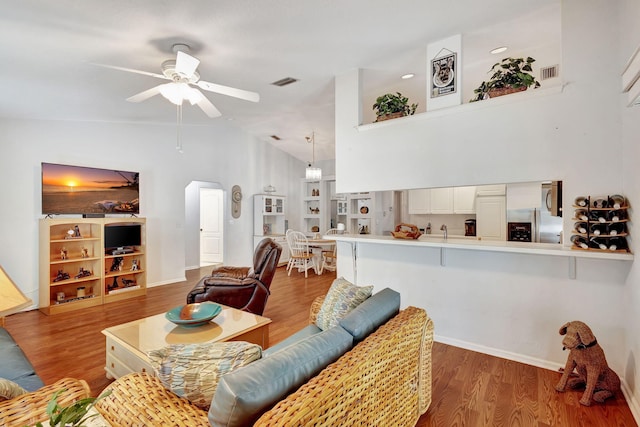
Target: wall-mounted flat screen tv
83,190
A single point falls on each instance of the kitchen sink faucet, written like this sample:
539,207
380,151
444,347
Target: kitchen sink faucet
444,228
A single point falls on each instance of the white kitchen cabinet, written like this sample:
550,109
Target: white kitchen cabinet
464,200
491,217
268,221
442,200
448,200
419,201
491,190
268,214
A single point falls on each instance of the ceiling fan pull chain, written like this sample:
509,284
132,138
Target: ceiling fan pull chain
179,128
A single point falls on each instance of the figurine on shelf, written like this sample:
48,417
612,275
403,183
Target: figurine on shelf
134,265
84,253
116,264
83,273
61,276
113,285
76,232
128,282
63,254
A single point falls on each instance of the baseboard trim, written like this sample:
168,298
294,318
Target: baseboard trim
167,282
540,363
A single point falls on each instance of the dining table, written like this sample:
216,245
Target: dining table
318,245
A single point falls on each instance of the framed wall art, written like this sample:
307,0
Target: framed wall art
444,76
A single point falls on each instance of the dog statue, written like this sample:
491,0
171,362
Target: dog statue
587,357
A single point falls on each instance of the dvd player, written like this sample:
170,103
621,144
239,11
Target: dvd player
121,251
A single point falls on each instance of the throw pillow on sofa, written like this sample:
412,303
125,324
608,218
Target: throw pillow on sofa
192,371
9,390
342,297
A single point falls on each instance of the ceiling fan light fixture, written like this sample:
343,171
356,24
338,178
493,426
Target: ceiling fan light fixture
171,92
176,93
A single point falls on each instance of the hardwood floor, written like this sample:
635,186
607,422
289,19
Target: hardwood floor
469,388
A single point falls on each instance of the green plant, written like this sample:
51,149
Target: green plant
390,103
508,73
73,415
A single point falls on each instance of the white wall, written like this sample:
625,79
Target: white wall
515,304
217,153
629,41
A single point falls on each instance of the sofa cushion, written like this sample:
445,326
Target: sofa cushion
192,371
14,364
371,314
342,297
303,333
243,395
9,389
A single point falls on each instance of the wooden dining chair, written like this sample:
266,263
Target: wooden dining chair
301,256
329,256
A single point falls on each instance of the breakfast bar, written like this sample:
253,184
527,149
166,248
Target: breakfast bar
472,244
502,298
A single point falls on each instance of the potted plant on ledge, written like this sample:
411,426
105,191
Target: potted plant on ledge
509,75
392,106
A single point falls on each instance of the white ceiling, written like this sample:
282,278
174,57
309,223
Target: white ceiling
48,49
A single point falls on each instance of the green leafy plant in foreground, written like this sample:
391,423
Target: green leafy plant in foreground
74,415
393,103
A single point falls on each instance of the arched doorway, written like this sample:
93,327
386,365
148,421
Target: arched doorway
204,224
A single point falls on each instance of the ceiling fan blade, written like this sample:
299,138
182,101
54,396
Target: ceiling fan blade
186,64
229,91
208,108
131,70
142,96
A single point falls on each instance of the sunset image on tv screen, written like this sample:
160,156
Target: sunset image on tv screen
82,190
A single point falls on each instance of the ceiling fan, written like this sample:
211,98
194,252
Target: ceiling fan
183,76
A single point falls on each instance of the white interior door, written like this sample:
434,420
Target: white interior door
211,226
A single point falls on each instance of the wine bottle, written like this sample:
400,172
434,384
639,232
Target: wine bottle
617,243
598,229
582,214
580,227
600,203
616,228
598,216
579,241
617,201
581,201
617,215
597,243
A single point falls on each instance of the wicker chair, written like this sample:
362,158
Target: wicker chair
31,408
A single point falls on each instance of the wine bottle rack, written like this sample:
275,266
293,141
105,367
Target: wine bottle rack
601,223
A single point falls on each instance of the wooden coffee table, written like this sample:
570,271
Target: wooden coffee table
128,344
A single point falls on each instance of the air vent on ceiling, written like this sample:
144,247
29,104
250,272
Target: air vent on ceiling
276,137
549,72
285,81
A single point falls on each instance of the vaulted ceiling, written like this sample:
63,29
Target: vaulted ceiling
49,51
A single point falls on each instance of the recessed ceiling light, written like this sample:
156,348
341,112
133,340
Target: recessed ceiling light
498,50
408,76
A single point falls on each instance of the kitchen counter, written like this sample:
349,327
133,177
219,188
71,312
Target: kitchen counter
471,243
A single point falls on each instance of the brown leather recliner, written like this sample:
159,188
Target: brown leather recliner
244,288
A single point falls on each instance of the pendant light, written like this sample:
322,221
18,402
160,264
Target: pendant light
313,172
